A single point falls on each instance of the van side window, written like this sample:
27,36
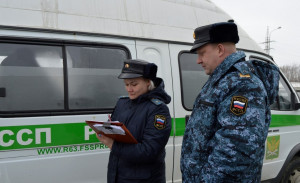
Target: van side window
31,76
283,101
53,78
93,76
192,77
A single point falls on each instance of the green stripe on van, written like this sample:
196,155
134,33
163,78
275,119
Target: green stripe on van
285,120
180,126
34,136
276,121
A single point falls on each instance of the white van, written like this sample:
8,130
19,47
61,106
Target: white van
59,63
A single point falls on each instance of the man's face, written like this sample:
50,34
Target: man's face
208,57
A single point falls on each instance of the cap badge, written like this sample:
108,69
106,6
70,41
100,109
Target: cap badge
126,65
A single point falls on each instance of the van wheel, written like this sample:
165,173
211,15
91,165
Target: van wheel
292,172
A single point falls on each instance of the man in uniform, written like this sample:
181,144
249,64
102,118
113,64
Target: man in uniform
225,136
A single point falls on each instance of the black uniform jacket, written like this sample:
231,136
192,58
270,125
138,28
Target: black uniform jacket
148,119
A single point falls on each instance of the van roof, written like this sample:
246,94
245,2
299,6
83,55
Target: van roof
168,20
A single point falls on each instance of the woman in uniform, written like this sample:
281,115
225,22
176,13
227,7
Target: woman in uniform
146,115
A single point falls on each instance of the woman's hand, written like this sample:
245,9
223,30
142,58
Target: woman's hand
105,140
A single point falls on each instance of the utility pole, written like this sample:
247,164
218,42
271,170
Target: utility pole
268,40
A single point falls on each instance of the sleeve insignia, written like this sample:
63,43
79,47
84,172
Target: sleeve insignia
238,105
160,122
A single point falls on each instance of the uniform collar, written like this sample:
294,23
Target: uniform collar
225,66
157,93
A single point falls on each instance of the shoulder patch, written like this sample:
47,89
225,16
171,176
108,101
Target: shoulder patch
238,105
156,101
160,122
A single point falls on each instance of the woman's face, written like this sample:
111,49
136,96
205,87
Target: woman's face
136,87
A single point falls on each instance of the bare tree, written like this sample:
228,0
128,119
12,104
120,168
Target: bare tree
292,72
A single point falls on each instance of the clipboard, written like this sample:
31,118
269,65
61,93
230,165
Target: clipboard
125,137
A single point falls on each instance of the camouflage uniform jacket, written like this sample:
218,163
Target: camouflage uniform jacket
225,136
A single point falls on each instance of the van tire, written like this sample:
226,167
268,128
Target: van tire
292,172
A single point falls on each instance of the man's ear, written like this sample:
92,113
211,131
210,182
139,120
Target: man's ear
221,50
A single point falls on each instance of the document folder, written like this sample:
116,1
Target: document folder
113,129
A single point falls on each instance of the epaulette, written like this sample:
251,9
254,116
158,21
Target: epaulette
245,69
156,101
123,97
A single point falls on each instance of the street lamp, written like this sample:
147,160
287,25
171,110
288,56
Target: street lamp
268,39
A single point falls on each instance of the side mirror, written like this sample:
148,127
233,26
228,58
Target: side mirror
295,104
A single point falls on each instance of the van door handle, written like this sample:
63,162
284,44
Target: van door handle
2,92
187,117
275,130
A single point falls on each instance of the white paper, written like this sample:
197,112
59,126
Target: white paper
111,129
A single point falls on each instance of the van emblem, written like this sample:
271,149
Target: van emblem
126,65
272,150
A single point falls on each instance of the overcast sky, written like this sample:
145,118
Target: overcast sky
256,15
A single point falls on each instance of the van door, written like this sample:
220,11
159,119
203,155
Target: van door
188,79
158,53
48,90
284,132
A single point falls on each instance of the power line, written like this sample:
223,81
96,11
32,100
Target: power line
268,40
